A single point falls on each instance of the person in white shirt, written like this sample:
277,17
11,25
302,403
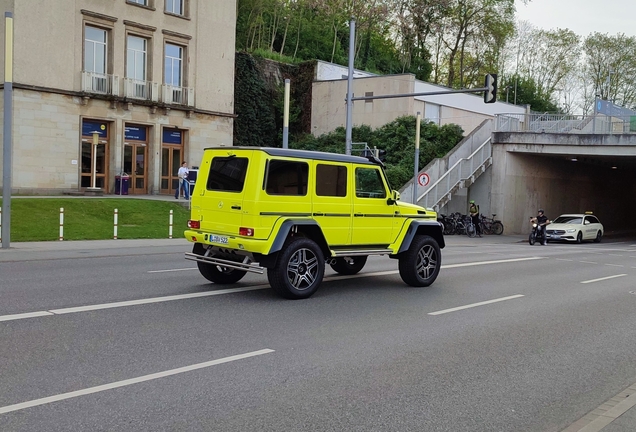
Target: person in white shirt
183,181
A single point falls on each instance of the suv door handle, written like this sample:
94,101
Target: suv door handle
235,207
357,215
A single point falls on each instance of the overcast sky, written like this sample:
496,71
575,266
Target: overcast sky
581,16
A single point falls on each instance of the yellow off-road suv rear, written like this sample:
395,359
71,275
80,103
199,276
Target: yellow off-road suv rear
291,212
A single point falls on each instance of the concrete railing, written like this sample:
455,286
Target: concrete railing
463,170
565,123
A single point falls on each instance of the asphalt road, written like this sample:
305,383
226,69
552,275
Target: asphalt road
511,337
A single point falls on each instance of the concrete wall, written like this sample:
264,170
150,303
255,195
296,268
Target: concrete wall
523,183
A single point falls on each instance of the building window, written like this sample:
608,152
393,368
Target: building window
141,2
173,73
137,59
175,6
95,50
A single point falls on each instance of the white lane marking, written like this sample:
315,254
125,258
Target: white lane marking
24,315
603,278
614,265
588,262
455,309
615,255
172,270
563,259
95,307
117,384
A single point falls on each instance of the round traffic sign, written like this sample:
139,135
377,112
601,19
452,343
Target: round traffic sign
423,179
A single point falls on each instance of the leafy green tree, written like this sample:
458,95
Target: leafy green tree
525,91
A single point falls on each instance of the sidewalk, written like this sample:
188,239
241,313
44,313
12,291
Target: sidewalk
31,251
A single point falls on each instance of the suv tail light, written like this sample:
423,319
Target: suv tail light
194,224
248,232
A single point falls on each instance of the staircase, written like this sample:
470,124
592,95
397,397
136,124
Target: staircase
458,169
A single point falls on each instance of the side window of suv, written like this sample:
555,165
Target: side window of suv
331,180
369,183
286,177
227,174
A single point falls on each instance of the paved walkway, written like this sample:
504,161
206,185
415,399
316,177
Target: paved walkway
618,414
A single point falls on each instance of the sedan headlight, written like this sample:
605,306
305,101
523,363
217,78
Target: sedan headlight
570,230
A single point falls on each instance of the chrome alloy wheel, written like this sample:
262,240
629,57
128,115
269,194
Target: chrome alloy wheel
302,269
426,261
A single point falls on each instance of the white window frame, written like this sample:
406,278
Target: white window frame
176,7
141,2
136,57
96,43
172,62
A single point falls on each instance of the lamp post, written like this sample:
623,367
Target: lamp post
94,190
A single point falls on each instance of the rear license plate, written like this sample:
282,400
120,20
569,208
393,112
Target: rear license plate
218,239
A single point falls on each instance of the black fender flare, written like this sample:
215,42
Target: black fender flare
307,225
431,228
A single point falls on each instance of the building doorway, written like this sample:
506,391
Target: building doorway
94,153
136,158
172,155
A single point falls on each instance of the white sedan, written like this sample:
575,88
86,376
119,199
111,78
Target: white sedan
576,228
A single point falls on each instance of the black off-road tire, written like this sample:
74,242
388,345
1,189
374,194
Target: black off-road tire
215,273
532,238
497,228
350,265
599,236
299,269
421,263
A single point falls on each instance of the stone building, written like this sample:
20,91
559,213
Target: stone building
154,79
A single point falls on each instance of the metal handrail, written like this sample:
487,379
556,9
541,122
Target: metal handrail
457,170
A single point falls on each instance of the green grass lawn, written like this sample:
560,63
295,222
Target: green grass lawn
38,219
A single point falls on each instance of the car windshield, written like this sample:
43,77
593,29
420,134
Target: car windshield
572,220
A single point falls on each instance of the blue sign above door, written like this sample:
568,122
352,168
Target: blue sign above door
172,136
135,133
90,126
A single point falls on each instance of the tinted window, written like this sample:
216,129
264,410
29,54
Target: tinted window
331,180
369,183
227,174
592,219
286,178
573,220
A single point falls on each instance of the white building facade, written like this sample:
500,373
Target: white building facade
153,79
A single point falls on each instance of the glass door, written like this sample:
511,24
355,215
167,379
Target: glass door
171,159
97,153
135,166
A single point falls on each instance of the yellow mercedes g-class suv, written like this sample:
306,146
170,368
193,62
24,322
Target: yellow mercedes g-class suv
291,212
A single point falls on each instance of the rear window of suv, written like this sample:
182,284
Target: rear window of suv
227,174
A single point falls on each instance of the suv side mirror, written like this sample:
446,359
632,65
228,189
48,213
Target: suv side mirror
395,196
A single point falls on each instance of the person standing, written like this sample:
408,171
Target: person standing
183,181
473,209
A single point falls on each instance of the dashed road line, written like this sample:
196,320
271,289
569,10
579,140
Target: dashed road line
95,307
172,270
455,309
603,278
588,262
117,384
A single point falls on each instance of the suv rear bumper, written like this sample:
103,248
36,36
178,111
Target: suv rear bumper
240,244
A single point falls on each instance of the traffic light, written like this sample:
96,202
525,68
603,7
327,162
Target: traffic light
490,95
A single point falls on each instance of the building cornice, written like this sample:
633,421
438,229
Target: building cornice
175,34
98,15
151,104
140,26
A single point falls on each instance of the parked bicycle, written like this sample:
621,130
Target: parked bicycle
491,225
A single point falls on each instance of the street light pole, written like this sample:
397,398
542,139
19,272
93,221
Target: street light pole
7,128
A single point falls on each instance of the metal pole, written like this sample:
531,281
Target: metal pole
170,226
115,224
7,130
286,116
94,168
352,47
417,156
61,223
